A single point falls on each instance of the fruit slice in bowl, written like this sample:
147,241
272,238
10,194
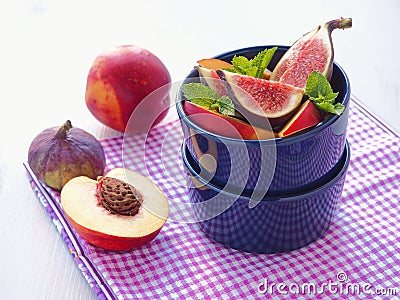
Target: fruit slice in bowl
219,64
307,116
227,126
312,52
260,100
214,64
120,211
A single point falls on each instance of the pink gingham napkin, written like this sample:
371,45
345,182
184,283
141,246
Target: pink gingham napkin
358,257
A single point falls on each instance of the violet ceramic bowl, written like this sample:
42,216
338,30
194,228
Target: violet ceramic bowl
279,223
274,164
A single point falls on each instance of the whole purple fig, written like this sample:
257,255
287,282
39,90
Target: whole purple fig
59,154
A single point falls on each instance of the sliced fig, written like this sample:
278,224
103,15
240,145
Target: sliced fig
258,99
312,52
306,116
211,78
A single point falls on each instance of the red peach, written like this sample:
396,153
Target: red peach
119,79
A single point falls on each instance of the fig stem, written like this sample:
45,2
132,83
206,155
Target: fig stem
62,132
342,23
345,23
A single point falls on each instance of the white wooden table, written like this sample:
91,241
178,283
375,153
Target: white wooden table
47,48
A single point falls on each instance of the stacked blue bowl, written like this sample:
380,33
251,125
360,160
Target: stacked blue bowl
272,195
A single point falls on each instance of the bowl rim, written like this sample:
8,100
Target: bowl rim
278,140
340,170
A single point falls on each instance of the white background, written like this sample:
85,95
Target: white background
47,48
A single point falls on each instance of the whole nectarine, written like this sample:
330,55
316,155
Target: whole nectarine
119,79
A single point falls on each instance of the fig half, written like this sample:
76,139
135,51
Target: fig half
258,99
312,52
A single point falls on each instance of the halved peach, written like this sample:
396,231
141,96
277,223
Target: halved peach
217,123
120,211
307,116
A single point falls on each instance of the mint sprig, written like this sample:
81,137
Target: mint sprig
205,96
319,91
253,67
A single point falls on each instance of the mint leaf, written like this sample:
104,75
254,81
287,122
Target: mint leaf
331,97
199,94
325,106
252,67
339,108
225,106
320,92
262,59
242,65
205,96
317,85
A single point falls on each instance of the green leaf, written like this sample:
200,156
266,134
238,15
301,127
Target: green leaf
225,106
320,92
205,96
317,85
252,71
241,64
339,108
336,109
252,67
261,61
331,97
199,94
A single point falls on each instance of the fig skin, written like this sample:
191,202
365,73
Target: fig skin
313,51
59,154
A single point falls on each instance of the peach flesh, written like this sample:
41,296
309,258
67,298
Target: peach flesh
112,231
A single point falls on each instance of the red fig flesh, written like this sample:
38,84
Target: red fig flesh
312,52
258,99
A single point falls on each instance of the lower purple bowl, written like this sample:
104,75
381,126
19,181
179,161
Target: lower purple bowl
279,223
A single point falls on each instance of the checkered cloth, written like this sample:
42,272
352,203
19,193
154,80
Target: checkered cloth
359,254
